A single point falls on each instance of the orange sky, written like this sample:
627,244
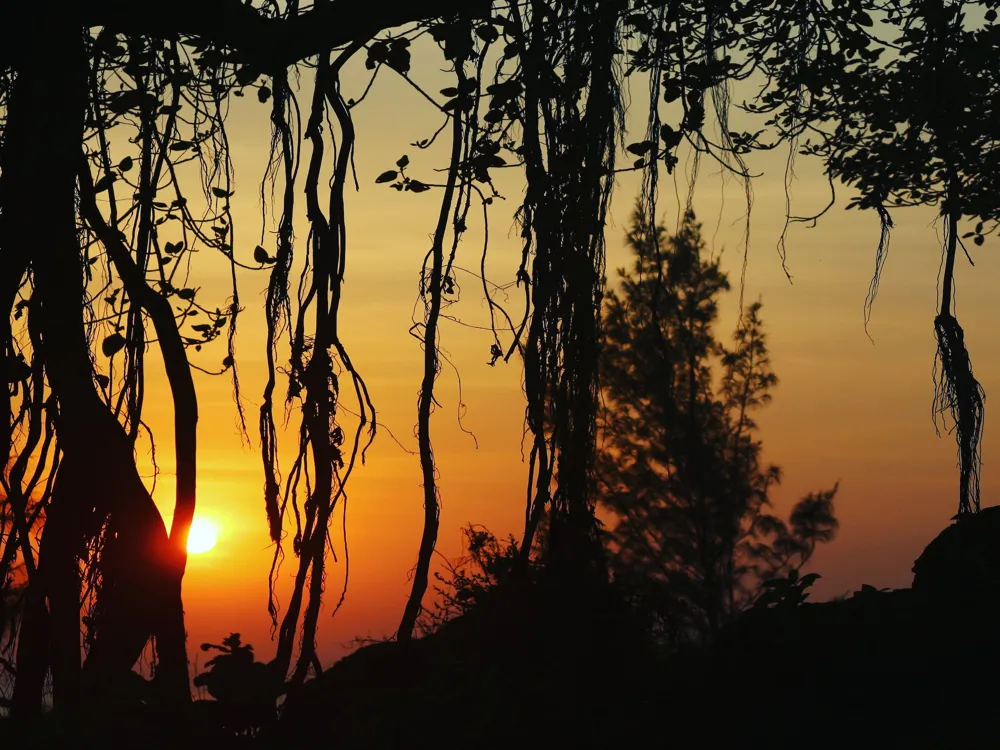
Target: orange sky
845,409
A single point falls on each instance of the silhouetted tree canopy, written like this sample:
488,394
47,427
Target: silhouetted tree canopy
681,465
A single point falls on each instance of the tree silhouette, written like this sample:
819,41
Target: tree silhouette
245,689
681,465
120,224
115,168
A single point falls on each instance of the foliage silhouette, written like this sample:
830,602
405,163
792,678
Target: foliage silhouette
129,111
681,466
245,690
491,564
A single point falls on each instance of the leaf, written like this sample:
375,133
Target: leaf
415,186
185,293
220,193
403,162
202,327
263,94
123,101
398,56
227,362
990,15
487,33
809,579
639,149
181,145
864,19
449,92
113,343
125,164
246,75
388,176
102,380
260,255
105,182
979,239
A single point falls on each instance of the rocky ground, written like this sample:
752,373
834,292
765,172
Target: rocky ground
564,665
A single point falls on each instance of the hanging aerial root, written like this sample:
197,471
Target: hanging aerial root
958,392
881,255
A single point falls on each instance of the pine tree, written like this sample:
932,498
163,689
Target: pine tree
681,465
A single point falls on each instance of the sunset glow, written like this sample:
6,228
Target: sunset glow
202,537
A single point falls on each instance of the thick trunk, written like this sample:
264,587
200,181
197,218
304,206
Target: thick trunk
59,571
172,672
32,654
140,590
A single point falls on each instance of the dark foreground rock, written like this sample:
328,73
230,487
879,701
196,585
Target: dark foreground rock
537,666
914,668
564,665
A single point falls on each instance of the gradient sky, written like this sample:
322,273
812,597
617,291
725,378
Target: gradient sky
846,409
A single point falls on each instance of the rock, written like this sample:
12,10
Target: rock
962,564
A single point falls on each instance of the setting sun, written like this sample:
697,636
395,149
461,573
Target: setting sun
202,536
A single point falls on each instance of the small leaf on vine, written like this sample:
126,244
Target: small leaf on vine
388,176
125,164
487,33
185,293
220,193
403,162
639,149
113,343
105,182
415,186
398,55
263,94
260,255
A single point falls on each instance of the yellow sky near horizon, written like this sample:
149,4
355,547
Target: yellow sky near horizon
846,409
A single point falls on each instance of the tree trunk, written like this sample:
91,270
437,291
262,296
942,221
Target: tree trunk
140,592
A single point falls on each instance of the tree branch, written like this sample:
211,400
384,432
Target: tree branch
270,43
174,360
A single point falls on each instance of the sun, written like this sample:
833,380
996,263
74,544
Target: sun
202,536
